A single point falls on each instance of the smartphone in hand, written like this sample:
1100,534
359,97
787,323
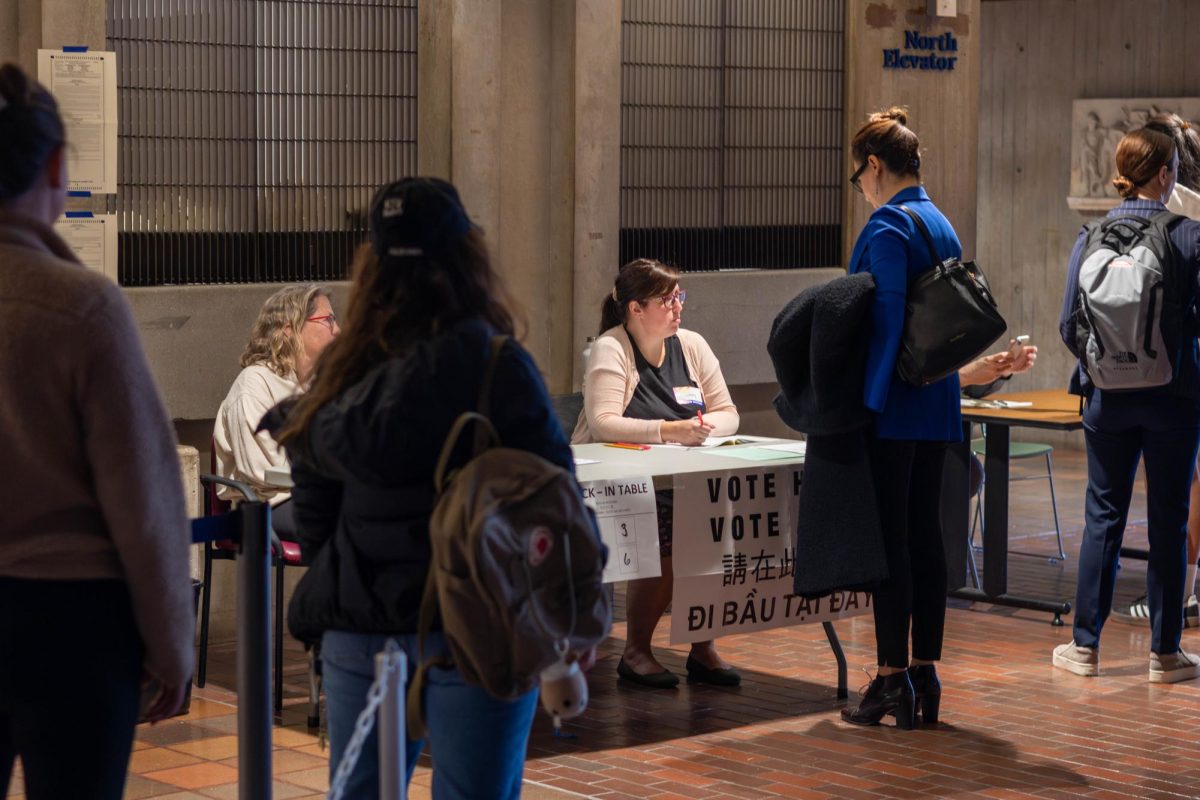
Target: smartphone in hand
1014,347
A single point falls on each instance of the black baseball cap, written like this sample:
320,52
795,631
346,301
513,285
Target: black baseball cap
416,216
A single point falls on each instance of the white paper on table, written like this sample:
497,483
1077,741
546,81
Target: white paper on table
579,462
85,86
718,441
628,519
94,240
791,447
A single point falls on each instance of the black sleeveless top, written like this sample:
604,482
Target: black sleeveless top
664,392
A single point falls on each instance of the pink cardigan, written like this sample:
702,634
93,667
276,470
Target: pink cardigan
612,376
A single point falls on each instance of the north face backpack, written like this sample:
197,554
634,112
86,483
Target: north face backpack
1134,303
516,568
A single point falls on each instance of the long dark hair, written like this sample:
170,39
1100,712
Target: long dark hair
30,130
642,279
395,305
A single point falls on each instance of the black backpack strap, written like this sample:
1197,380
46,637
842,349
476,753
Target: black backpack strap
921,229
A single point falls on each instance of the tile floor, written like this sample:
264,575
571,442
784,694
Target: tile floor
1012,726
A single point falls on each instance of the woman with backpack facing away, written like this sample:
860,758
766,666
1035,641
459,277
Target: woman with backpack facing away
1160,423
1185,200
364,443
912,426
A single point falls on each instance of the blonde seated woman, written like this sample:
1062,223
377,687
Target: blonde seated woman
294,325
649,381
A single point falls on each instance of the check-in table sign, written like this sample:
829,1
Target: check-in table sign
734,556
628,521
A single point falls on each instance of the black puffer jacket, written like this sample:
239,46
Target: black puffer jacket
363,475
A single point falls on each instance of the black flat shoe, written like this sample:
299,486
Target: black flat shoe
928,692
714,676
887,694
654,680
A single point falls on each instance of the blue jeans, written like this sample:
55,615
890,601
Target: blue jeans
1120,428
478,742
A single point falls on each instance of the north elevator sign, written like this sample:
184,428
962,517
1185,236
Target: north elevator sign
923,52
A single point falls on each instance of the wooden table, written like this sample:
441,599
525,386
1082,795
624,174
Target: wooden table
1054,410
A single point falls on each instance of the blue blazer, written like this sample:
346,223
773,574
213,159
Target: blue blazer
893,251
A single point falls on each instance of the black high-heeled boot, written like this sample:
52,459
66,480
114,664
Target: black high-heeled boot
928,691
887,694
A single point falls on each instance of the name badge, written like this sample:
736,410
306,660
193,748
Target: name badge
689,396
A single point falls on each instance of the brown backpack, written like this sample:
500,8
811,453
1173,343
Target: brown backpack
516,567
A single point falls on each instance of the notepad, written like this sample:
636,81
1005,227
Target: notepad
750,453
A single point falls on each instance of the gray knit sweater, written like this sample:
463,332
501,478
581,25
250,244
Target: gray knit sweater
89,477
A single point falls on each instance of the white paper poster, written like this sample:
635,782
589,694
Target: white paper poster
734,556
85,86
93,237
628,520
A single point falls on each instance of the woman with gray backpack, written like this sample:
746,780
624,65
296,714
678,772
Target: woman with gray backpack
1129,315
388,507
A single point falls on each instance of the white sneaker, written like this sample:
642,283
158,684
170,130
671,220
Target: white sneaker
1191,613
1083,661
1181,666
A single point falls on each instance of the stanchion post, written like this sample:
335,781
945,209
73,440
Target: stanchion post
392,737
253,647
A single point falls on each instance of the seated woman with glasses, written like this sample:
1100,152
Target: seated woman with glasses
294,325
649,381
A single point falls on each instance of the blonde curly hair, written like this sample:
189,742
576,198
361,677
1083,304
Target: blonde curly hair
275,337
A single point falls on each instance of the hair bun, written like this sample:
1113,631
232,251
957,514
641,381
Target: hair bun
897,113
1124,186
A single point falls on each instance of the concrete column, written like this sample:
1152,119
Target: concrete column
435,19
943,105
73,22
498,115
475,152
597,163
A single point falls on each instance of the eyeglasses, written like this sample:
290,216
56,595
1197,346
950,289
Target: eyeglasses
858,174
329,319
668,300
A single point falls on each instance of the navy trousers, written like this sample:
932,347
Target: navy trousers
1120,428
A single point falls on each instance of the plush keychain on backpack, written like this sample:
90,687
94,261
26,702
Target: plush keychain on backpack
564,691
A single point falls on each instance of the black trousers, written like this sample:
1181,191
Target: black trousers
908,489
70,685
1163,432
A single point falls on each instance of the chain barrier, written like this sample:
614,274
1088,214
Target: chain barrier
365,722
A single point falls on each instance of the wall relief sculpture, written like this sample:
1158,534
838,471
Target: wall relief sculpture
1096,128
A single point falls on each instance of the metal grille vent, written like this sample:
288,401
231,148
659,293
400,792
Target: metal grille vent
253,132
731,126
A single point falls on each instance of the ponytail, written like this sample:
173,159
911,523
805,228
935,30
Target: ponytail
640,280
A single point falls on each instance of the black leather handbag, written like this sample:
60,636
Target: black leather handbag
950,317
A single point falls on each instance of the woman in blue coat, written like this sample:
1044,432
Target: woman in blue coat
912,426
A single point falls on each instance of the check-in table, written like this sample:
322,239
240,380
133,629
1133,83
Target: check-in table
668,465
1054,410
665,465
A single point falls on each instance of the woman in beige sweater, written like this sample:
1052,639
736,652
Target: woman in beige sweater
94,588
649,381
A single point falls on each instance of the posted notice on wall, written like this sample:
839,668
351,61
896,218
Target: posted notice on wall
735,556
93,237
628,520
85,86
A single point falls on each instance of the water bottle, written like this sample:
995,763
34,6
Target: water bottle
587,351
